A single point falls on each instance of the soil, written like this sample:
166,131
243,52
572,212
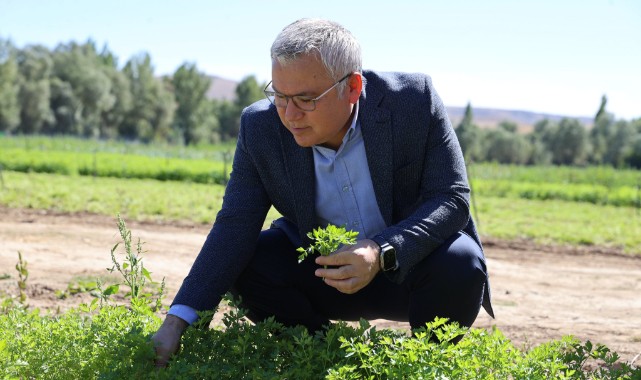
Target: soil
540,293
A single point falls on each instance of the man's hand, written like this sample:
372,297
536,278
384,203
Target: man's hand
357,265
167,339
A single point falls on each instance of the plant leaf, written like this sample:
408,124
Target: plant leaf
113,289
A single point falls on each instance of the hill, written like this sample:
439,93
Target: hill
222,88
491,117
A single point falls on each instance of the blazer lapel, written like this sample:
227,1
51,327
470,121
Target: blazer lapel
299,165
376,127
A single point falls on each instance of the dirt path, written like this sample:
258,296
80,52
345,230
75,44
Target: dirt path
540,293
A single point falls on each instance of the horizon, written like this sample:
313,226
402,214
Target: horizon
462,107
541,57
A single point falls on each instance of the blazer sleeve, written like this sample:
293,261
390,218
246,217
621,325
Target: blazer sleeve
232,239
442,205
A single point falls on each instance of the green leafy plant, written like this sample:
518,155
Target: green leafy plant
23,275
133,272
113,342
327,240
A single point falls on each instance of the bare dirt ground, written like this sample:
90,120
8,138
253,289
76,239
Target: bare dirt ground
540,293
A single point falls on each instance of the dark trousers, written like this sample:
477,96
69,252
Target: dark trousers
448,283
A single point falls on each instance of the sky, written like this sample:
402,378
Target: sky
557,57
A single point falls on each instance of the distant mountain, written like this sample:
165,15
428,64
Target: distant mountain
491,117
222,88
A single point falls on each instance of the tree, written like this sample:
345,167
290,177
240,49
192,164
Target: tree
508,126
112,119
228,118
82,91
66,109
9,88
248,91
194,118
469,136
153,105
619,143
507,147
633,152
602,111
541,154
35,66
568,142
601,133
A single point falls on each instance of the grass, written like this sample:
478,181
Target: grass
549,221
593,175
136,199
560,222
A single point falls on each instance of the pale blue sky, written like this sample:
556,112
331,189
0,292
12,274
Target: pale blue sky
551,56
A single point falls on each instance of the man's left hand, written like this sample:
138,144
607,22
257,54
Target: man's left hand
354,266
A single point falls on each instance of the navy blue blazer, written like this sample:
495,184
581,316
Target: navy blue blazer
416,166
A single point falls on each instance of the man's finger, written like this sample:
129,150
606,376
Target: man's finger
347,286
340,273
335,259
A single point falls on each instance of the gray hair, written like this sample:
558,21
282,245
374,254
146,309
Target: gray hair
337,48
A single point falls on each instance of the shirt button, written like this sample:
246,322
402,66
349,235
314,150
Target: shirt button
345,188
355,223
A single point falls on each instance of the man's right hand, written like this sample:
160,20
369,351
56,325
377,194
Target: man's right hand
167,339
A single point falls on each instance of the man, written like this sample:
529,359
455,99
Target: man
333,144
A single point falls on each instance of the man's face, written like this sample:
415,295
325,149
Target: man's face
328,123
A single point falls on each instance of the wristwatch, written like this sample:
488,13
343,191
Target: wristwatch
387,256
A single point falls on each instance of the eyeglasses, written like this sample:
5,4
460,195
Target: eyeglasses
304,103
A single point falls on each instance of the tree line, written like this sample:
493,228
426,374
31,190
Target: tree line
77,89
608,141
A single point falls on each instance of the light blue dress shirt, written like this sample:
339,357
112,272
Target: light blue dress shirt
344,193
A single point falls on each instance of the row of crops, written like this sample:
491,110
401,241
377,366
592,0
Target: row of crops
596,185
118,165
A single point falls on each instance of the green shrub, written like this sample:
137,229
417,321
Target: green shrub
113,342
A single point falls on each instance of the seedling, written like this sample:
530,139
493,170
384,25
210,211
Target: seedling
327,240
23,274
133,272
78,286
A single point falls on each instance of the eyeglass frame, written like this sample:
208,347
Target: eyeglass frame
305,98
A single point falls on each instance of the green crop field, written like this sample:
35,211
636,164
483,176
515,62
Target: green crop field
551,205
136,199
547,205
543,221
73,144
117,165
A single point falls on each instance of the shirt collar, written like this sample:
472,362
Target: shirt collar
351,133
352,128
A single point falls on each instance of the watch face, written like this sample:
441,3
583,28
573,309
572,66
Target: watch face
389,259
